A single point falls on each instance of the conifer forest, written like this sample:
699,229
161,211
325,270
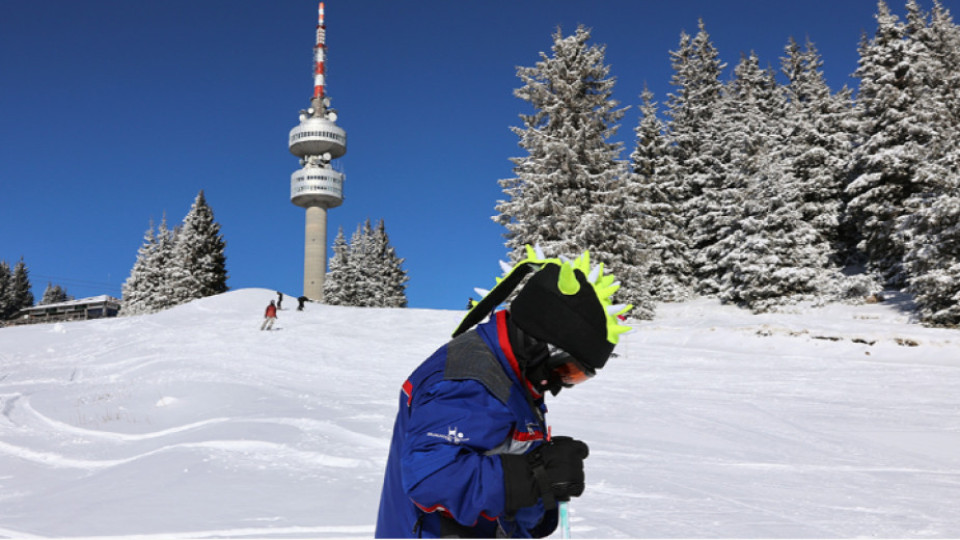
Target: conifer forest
758,185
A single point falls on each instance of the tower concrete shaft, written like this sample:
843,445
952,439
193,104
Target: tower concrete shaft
315,252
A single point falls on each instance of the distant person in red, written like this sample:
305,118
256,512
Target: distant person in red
269,317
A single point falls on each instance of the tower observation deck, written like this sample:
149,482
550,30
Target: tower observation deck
317,141
317,186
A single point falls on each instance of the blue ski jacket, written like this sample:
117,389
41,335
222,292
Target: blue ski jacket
463,407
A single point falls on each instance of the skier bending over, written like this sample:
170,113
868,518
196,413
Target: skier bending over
471,453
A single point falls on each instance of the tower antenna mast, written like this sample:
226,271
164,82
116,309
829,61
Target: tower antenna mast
319,57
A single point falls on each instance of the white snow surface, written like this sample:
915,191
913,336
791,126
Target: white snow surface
841,421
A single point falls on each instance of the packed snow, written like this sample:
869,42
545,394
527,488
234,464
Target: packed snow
838,421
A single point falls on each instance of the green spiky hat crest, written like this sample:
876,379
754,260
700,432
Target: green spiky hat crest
567,303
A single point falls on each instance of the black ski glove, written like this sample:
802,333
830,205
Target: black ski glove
554,471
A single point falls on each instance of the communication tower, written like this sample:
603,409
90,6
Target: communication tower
317,186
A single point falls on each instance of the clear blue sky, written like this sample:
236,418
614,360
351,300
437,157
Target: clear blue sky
114,112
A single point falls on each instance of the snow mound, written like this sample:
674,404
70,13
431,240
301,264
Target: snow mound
838,421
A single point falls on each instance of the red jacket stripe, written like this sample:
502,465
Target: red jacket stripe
504,337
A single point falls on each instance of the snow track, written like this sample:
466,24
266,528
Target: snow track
713,422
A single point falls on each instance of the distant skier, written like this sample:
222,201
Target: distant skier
279,299
300,302
270,316
471,454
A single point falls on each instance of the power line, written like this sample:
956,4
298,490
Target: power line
79,283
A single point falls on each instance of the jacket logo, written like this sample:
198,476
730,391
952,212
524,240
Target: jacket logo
452,436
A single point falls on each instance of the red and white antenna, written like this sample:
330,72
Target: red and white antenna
319,56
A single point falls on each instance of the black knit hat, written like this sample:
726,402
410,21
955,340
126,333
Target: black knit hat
576,323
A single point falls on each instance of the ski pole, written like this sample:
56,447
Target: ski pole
563,506
564,519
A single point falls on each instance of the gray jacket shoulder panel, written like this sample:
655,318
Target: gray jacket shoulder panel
468,357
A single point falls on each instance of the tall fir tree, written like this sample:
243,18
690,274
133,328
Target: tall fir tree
149,288
894,130
198,264
19,295
160,268
694,113
943,41
391,285
657,189
54,294
762,254
366,272
338,283
179,265
818,144
931,215
5,278
748,130
14,289
770,256
933,255
363,272
135,289
563,192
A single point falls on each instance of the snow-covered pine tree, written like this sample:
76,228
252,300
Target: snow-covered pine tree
657,188
933,41
366,272
18,294
818,143
694,112
895,129
5,278
14,289
931,219
943,42
772,255
763,253
748,129
160,268
135,289
933,253
198,264
53,294
362,268
148,287
562,194
179,265
338,284
616,241
391,278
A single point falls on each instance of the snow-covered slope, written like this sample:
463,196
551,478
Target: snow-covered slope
833,422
